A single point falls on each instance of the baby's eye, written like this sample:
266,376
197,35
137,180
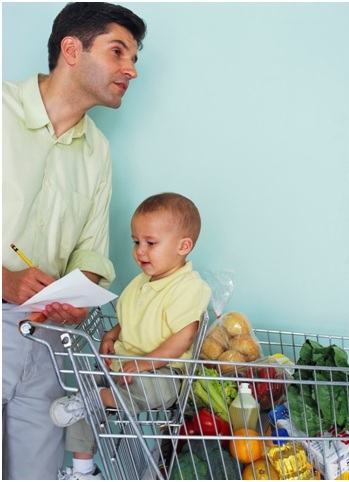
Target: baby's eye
135,242
151,243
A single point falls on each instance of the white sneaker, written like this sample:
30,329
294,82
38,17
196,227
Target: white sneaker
68,474
67,410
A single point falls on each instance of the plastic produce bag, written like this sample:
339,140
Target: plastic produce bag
230,338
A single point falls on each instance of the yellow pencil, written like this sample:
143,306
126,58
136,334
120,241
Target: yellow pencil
21,255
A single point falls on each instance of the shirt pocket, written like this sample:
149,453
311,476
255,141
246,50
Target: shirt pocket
71,212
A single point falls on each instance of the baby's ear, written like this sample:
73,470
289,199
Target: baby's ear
186,246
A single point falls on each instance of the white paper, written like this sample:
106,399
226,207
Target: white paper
74,288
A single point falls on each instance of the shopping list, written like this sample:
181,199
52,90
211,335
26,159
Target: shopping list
74,288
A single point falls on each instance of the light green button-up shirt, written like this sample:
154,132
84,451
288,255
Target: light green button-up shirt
56,192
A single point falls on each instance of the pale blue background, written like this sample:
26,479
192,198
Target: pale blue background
243,107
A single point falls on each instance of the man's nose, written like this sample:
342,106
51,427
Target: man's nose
129,70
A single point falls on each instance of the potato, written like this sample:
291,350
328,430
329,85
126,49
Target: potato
220,334
236,324
232,356
211,348
247,346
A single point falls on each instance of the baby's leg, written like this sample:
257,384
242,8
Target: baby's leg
107,397
145,393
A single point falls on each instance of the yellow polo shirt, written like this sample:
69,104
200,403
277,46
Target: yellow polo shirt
150,312
56,192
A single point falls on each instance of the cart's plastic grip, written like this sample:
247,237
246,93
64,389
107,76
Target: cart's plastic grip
36,317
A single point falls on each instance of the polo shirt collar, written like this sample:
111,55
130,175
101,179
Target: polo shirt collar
36,116
159,284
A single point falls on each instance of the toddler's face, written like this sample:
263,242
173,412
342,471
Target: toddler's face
157,244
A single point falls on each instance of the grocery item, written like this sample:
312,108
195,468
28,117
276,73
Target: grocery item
329,457
246,345
244,410
205,460
246,450
270,392
230,339
289,458
260,470
316,407
207,423
212,393
204,422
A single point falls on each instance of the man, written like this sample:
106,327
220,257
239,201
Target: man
56,194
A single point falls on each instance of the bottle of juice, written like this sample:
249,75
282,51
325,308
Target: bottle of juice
244,410
289,458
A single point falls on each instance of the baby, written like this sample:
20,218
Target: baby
158,312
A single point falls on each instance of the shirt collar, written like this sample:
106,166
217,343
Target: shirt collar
159,284
36,116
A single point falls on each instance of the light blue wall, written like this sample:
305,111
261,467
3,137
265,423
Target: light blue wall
243,107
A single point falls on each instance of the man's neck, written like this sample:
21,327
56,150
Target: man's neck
60,103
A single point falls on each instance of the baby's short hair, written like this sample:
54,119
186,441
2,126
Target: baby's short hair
185,214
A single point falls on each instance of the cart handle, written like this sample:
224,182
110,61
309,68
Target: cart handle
36,317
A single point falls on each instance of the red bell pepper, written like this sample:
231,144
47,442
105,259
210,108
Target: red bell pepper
186,429
206,422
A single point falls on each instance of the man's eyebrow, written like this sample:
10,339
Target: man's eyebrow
126,47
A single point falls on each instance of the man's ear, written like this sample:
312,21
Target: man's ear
70,49
186,246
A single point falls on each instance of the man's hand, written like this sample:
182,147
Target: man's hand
19,286
65,314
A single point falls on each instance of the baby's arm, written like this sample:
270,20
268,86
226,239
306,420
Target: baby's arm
173,347
107,343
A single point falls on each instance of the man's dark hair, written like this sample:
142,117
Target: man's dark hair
86,20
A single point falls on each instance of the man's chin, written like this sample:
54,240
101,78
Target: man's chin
111,103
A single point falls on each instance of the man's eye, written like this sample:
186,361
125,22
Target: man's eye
117,51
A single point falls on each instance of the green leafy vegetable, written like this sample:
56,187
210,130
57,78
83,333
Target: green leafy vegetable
214,393
316,407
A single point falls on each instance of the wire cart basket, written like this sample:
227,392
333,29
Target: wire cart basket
161,445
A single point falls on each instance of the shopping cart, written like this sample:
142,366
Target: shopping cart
131,445
157,444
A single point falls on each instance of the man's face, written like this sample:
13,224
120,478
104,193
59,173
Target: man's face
105,70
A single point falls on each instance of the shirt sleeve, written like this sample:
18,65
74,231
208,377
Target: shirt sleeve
188,303
92,249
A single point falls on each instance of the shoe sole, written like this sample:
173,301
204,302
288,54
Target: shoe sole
53,417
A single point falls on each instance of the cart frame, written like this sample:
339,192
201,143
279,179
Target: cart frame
145,446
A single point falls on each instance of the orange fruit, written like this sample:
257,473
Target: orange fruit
260,470
246,451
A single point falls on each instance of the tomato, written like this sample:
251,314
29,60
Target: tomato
267,372
266,392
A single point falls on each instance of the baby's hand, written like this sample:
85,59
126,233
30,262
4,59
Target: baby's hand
107,348
128,367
